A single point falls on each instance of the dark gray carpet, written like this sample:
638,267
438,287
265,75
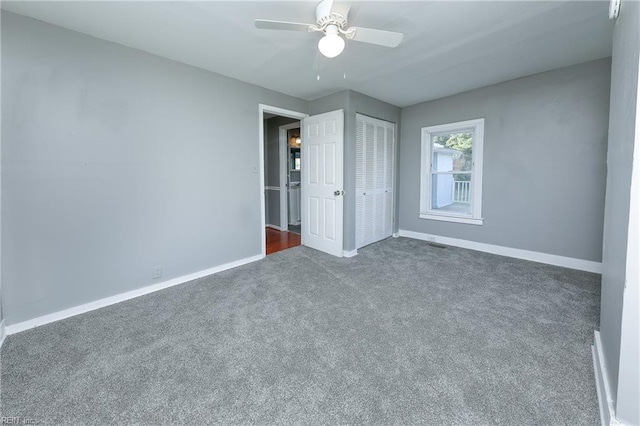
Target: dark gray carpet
403,333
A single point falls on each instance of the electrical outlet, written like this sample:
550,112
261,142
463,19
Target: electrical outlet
156,272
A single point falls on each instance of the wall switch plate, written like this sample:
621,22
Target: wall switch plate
156,272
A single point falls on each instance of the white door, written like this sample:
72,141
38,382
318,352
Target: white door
374,179
322,182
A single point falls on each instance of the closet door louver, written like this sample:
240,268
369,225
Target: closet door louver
374,180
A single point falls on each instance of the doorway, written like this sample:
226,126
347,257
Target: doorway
279,129
290,175
322,178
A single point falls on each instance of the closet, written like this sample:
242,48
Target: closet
375,148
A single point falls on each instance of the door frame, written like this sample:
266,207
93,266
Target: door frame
262,109
284,168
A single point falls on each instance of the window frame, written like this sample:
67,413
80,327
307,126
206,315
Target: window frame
426,172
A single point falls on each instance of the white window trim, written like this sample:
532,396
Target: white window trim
476,174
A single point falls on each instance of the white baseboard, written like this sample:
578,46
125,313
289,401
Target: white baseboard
3,333
101,303
352,253
607,410
274,227
395,234
551,259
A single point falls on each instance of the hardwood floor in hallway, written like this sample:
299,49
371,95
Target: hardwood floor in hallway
278,240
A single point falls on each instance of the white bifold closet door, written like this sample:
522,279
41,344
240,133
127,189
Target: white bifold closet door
375,140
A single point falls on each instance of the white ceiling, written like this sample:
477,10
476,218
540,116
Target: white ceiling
449,47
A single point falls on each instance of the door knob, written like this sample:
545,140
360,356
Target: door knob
337,193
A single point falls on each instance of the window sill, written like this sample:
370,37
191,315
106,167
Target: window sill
450,218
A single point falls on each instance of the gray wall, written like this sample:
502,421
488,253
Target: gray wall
272,207
544,161
354,103
1,312
622,128
113,161
272,167
335,101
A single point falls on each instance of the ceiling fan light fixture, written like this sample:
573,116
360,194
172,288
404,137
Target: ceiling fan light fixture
331,45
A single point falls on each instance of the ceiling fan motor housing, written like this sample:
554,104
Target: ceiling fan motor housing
332,19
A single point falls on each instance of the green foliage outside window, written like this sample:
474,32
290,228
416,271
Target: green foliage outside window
462,142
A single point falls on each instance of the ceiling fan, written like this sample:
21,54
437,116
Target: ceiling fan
334,24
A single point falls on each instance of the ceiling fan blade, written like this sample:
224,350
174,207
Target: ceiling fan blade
379,37
265,24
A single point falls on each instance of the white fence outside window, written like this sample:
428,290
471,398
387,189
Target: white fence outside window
462,191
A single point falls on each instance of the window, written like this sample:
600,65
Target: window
451,172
